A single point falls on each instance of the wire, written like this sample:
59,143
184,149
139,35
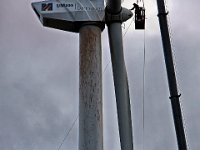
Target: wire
128,27
143,91
68,132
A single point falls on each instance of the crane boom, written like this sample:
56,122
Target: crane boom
174,96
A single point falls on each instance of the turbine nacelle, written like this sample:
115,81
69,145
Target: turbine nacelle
68,15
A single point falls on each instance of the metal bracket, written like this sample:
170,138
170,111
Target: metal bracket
175,96
163,14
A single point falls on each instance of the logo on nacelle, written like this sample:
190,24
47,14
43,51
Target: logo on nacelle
64,5
47,6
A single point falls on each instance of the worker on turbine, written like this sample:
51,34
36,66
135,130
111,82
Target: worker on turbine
139,16
135,6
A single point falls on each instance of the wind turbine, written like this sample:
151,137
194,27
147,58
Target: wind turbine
88,18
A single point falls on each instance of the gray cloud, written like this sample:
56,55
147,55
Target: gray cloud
39,81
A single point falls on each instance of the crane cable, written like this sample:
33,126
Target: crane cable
143,85
143,90
143,81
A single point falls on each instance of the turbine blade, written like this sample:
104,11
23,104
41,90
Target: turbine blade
121,86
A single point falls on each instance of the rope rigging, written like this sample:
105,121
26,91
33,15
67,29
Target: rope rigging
140,24
143,91
143,78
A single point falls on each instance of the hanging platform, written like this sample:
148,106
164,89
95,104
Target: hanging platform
140,18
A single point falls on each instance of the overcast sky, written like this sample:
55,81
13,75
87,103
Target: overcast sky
39,70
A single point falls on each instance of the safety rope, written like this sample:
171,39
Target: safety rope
143,87
143,91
